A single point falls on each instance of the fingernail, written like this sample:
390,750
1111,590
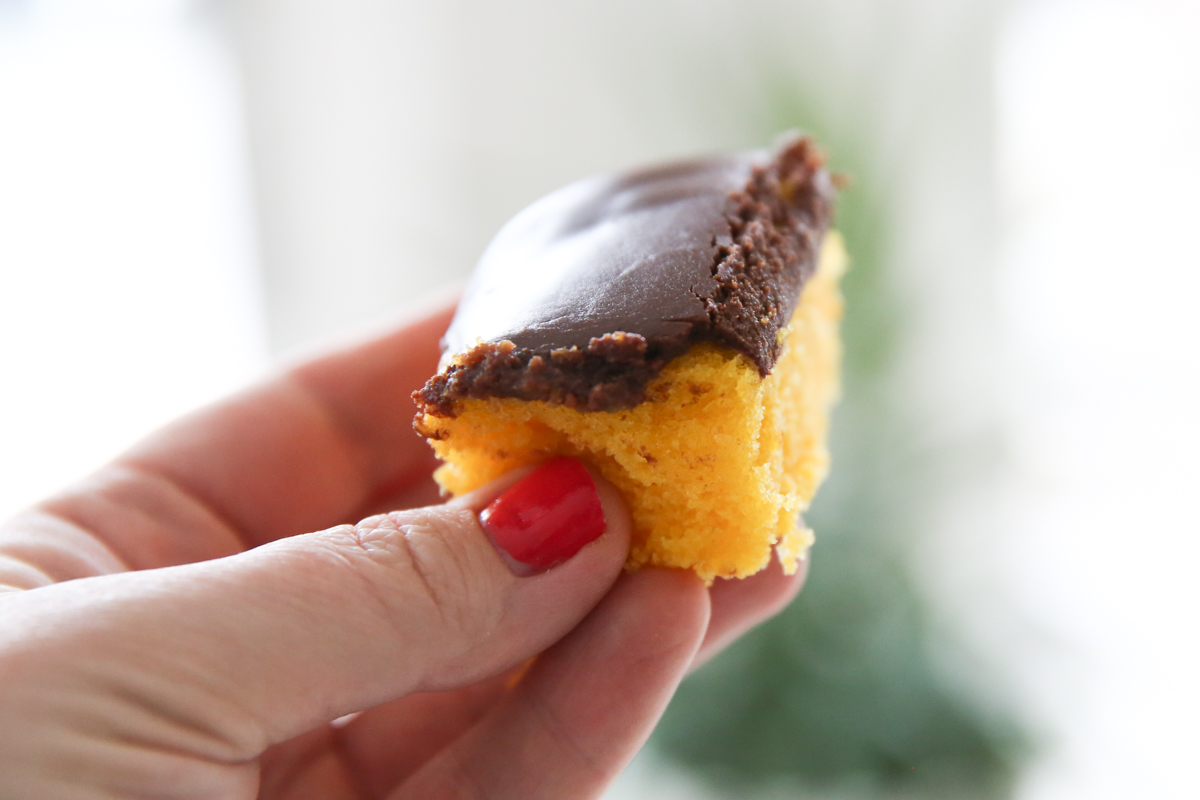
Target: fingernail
546,517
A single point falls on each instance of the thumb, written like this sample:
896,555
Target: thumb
232,655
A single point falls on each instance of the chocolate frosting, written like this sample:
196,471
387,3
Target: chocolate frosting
585,296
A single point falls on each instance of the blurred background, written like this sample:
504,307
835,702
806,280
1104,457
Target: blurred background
1002,600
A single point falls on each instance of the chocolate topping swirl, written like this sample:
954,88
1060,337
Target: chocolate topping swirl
585,296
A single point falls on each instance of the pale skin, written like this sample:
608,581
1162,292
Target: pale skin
169,628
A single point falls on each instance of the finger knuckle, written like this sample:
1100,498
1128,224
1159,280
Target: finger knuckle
425,561
563,736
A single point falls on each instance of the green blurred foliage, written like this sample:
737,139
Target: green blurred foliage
840,694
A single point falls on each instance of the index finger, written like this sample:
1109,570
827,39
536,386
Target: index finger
307,450
311,447
318,445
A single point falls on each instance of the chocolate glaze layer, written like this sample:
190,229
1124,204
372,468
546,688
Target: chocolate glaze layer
585,296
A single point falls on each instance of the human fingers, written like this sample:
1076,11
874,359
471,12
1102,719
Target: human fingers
586,706
383,745
309,448
736,607
739,605
221,659
387,744
326,442
365,755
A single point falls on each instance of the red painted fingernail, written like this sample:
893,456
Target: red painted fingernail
546,517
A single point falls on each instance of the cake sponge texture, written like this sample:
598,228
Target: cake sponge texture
716,465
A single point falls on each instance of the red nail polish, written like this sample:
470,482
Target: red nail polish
546,517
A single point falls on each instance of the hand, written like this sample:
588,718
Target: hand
164,631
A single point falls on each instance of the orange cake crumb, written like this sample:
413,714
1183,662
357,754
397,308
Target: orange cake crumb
716,465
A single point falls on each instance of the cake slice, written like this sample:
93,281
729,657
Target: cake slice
677,329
